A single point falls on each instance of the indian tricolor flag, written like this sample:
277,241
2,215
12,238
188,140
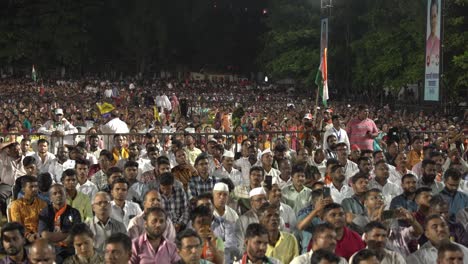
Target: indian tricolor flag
33,74
321,79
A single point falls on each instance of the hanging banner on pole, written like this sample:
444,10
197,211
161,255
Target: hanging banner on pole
432,63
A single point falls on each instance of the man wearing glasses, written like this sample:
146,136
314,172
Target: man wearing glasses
102,225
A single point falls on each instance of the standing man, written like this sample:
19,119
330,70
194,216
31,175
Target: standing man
341,135
57,128
114,126
362,130
12,168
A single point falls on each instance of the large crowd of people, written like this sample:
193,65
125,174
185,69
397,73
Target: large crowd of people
167,171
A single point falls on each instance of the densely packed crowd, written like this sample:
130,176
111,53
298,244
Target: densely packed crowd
132,179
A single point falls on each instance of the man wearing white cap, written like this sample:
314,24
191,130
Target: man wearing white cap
267,163
241,192
57,128
227,170
220,198
258,199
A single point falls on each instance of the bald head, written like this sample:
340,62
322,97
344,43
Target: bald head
41,252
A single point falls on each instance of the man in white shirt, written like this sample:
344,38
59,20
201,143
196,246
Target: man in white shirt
60,164
221,209
144,165
84,185
227,170
437,232
341,135
114,126
339,190
122,210
375,237
350,168
389,190
267,163
57,128
43,157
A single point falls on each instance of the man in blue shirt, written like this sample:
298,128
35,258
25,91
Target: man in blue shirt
455,199
406,199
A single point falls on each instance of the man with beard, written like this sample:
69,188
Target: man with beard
365,165
355,204
406,199
43,157
349,168
136,227
380,181
60,164
339,190
375,237
437,232
152,246
13,242
456,200
336,130
286,212
450,254
241,192
256,244
348,241
428,177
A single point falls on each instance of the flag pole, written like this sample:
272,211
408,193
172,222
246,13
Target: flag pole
316,105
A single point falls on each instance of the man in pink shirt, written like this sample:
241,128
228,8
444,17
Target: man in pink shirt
152,247
362,130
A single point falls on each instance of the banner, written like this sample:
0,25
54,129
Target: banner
432,72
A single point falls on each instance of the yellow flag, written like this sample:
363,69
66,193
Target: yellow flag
156,113
105,108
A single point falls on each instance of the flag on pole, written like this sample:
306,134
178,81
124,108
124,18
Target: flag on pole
33,74
321,79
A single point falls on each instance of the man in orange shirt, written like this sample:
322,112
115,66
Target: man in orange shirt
26,210
416,153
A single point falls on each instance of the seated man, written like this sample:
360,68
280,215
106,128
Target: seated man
122,209
13,243
42,252
136,189
84,185
106,159
152,246
189,247
241,192
29,164
102,225
113,174
118,249
56,221
355,204
437,232
213,247
83,240
76,199
256,243
175,201
136,227
296,194
26,210
281,245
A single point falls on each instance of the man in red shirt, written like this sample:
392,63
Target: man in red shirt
348,242
362,130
